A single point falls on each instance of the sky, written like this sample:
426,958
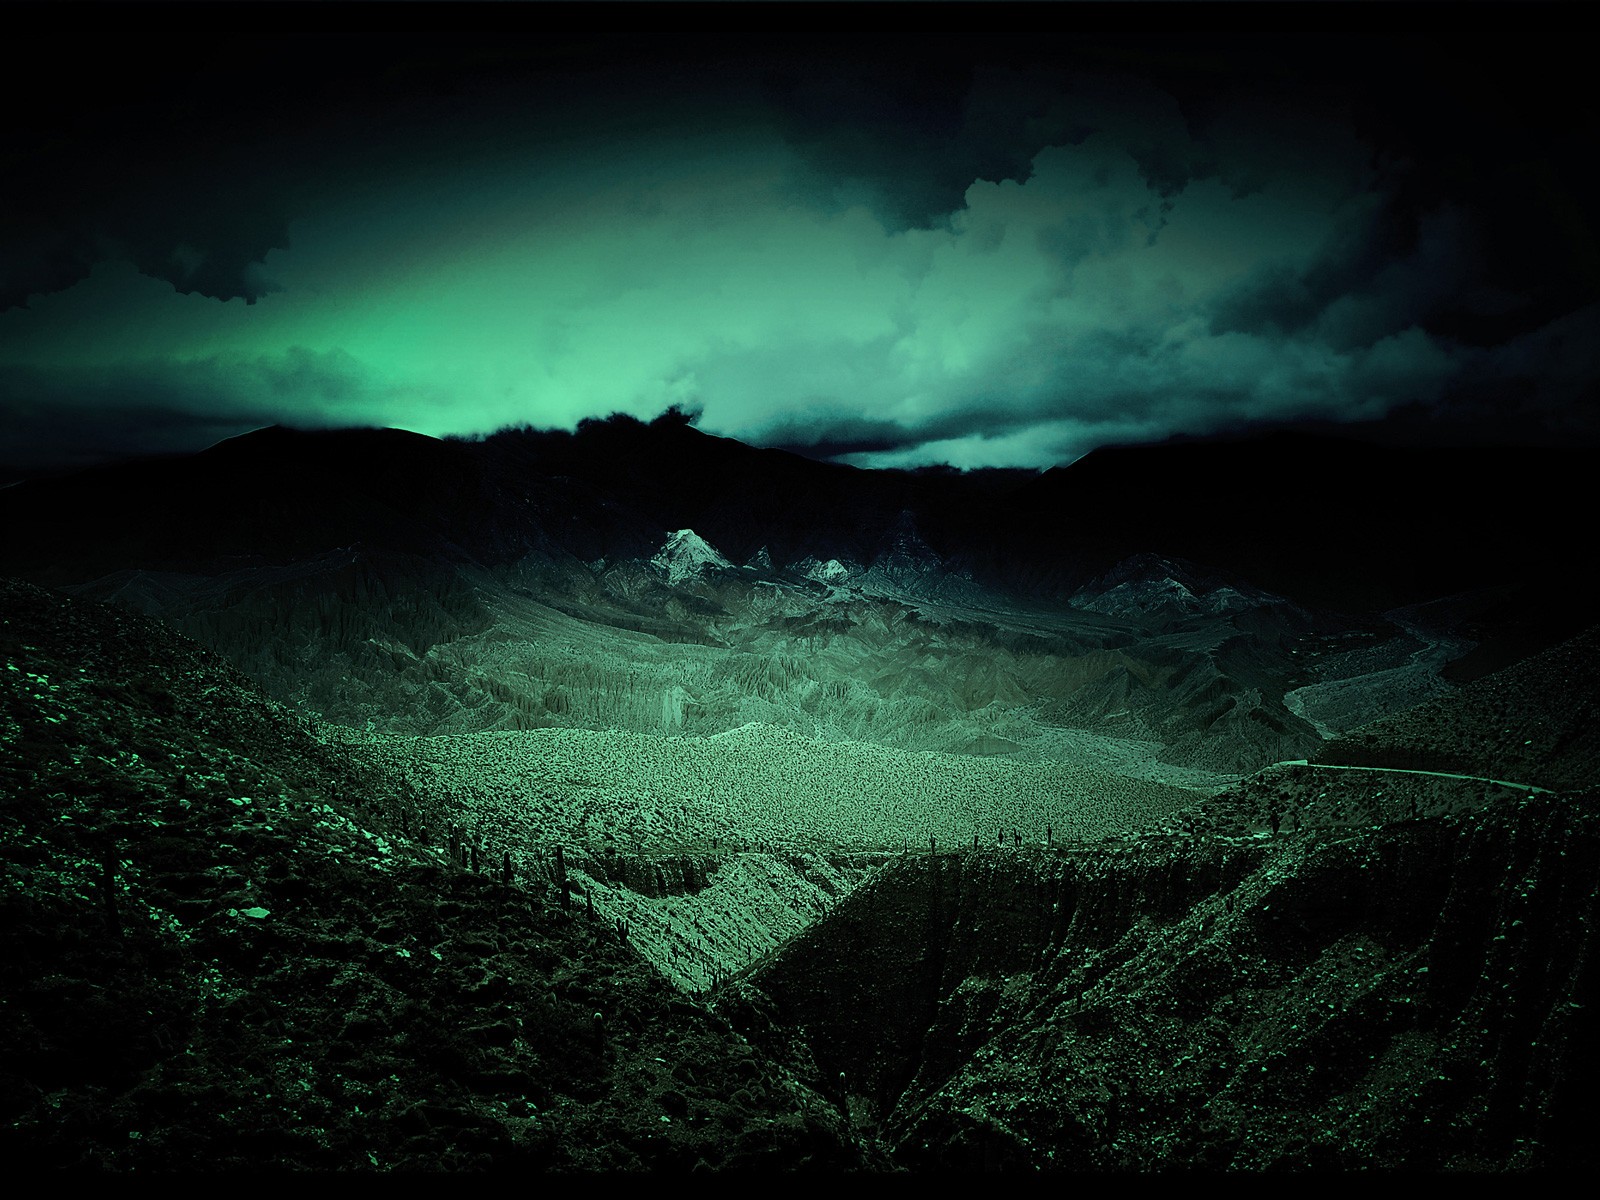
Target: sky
926,244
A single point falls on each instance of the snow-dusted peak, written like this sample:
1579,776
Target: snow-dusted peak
687,555
833,571
1149,585
760,561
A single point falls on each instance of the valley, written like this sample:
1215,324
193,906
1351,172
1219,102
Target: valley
654,845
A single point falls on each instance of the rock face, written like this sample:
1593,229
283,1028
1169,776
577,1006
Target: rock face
1147,585
686,555
832,572
1415,995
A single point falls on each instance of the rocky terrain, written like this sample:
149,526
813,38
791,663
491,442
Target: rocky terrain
716,850
231,942
224,949
1536,722
670,647
649,578
1415,995
637,801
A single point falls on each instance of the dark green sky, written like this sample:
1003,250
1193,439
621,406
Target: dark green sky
977,248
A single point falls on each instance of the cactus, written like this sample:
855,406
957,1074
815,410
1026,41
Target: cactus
561,880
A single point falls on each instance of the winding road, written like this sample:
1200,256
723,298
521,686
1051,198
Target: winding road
1300,762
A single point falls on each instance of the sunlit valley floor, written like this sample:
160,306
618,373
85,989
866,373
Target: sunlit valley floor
360,859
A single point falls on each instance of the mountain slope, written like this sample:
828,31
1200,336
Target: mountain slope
1535,722
394,582
1409,997
1278,510
222,946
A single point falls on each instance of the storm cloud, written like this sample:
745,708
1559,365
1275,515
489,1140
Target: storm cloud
985,250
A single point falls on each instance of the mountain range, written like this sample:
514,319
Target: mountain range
878,816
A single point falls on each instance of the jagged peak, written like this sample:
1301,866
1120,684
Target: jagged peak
830,571
685,555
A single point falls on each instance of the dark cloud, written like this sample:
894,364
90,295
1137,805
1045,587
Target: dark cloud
1278,299
837,440
906,126
826,435
1419,235
139,168
1389,265
1543,386
55,419
46,432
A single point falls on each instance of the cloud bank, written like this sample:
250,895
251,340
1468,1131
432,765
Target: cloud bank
983,252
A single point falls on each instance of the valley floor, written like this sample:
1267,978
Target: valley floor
235,938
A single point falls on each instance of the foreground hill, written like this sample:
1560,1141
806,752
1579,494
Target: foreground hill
229,941
1536,722
1417,996
220,947
1322,967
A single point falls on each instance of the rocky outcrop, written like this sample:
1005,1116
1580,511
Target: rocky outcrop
1416,995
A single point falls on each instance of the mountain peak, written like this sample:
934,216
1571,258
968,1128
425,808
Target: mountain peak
686,555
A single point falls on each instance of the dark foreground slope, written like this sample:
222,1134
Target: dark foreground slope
1417,996
220,946
220,949
1536,722
1316,969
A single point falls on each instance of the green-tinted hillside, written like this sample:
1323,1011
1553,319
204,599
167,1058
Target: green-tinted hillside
220,949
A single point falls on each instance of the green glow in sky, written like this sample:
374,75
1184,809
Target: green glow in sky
1136,275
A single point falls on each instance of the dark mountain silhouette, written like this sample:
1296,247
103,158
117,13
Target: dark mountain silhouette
1179,594
1326,520
1317,519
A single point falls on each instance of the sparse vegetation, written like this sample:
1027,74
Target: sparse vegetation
290,983
1535,722
760,785
254,940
